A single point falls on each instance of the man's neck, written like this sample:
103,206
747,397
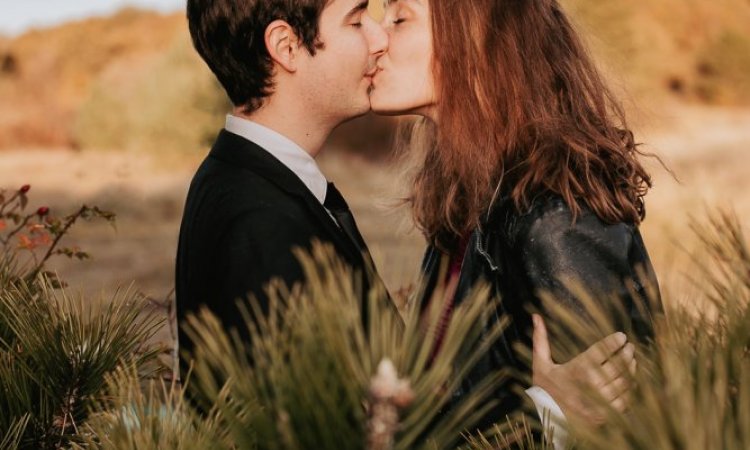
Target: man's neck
302,127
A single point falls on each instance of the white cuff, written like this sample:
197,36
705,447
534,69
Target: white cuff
552,418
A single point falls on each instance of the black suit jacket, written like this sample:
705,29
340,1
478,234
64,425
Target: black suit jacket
245,213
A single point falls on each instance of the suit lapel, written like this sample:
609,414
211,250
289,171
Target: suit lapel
238,151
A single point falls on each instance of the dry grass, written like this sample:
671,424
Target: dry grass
707,149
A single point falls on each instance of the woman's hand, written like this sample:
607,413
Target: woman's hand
606,367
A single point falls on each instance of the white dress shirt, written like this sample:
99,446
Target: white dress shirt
552,418
296,159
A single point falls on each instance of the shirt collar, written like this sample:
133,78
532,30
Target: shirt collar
294,157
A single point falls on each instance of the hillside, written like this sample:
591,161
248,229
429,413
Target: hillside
119,82
46,76
693,50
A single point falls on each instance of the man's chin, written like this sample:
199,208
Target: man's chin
387,112
356,112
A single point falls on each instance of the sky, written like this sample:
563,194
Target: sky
18,15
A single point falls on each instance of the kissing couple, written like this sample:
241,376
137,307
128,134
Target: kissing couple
527,177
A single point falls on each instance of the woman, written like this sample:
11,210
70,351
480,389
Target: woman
529,176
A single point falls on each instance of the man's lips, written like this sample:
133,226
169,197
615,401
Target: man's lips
371,73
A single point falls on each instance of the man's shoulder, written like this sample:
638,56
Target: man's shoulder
238,186
225,186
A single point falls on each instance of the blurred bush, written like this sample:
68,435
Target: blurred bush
690,50
315,378
48,73
171,104
724,69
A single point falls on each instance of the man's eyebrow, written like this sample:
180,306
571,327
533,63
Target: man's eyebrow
361,6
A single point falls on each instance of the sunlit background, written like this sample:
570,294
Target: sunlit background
46,13
111,106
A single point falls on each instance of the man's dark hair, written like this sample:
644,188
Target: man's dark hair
229,36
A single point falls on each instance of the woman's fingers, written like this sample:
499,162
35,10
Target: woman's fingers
618,365
616,389
615,367
603,350
624,356
620,404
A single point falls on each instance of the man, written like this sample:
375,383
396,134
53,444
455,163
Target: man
294,70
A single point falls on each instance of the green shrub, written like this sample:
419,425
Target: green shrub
55,350
76,376
172,104
54,361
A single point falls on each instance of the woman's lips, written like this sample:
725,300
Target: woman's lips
376,72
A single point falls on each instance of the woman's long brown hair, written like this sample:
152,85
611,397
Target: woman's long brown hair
521,110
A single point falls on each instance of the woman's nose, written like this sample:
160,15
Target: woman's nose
377,37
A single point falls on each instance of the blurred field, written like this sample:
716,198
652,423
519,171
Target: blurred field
692,50
118,112
148,197
706,147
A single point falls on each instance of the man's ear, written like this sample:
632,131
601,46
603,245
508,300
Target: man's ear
282,44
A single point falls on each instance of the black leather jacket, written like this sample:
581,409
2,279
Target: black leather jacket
523,254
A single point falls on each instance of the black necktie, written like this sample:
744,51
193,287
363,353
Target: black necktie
338,208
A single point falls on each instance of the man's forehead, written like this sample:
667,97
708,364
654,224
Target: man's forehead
376,8
348,4
345,6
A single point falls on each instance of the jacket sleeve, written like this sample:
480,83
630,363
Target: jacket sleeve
566,258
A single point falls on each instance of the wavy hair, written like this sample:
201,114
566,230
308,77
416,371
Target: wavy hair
522,110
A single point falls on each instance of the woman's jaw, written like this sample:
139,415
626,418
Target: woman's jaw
392,99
